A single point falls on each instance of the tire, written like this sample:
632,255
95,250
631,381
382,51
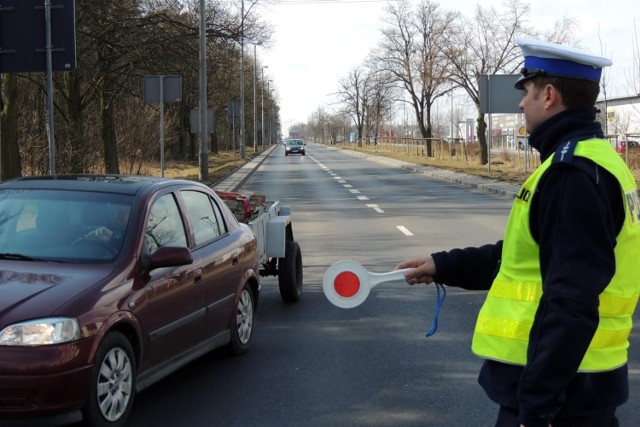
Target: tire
290,276
242,322
113,384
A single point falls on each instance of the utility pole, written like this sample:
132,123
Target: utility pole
204,152
242,142
262,124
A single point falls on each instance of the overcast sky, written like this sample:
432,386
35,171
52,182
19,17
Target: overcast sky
318,42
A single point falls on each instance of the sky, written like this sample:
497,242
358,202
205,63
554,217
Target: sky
318,42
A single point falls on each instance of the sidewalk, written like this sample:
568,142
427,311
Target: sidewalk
235,181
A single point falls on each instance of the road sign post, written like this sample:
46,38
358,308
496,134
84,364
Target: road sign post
162,89
26,47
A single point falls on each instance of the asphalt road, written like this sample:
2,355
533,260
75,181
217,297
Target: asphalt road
313,364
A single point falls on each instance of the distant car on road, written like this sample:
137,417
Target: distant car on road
622,145
110,283
294,146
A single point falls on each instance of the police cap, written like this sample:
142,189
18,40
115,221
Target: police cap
550,59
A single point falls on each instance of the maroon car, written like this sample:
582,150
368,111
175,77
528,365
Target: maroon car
108,284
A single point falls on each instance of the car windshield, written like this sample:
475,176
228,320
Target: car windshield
62,226
294,142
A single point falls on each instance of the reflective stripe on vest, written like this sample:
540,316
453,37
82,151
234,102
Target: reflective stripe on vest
505,320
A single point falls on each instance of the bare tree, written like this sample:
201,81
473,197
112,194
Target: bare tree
486,45
354,93
411,52
381,109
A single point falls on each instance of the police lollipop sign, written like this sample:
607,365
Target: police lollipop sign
347,284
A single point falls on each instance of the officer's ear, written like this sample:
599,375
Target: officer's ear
552,98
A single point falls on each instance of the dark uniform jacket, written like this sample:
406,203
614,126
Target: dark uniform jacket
576,214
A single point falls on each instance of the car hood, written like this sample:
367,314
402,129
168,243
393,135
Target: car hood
38,289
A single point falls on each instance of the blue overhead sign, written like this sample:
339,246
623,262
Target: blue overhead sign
23,36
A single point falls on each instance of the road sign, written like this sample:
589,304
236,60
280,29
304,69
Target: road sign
171,88
194,120
233,112
23,36
498,95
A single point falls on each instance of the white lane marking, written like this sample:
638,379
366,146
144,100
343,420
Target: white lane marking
363,198
404,230
337,177
355,191
348,186
342,181
375,208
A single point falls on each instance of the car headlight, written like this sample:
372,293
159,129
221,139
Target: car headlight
53,330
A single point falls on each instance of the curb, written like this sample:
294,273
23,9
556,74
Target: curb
234,181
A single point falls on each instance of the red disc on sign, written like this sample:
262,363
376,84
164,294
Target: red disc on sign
346,284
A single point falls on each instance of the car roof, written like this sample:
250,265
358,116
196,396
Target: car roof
122,184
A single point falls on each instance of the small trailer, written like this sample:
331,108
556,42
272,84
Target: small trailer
280,254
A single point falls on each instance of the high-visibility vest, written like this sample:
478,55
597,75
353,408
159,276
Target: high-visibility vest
506,317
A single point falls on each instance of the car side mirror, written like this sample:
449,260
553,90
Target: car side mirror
169,256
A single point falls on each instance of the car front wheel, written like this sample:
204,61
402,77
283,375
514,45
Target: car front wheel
112,384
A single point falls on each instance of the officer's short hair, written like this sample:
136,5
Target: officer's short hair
574,92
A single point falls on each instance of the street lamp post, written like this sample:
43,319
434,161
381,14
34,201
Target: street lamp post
255,118
242,142
203,153
262,122
269,93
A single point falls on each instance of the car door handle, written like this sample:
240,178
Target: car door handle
197,276
235,257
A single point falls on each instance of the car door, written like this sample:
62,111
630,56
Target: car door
174,309
218,252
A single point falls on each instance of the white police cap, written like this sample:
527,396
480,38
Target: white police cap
550,59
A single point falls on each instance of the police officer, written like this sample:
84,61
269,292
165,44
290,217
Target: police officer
564,283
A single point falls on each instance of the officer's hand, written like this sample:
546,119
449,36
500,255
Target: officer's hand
424,270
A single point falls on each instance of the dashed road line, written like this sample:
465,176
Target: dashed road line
404,230
375,208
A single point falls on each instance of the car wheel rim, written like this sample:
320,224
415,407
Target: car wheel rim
115,381
244,317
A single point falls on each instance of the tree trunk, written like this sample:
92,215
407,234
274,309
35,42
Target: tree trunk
482,139
425,132
11,165
108,133
76,120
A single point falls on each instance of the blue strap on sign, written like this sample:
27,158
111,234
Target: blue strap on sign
441,293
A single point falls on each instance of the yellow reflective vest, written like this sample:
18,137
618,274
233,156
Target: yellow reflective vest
505,320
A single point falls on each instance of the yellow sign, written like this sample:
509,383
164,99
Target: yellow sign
522,131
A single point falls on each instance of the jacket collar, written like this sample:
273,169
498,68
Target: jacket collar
573,123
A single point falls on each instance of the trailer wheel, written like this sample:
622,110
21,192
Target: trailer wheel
290,273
